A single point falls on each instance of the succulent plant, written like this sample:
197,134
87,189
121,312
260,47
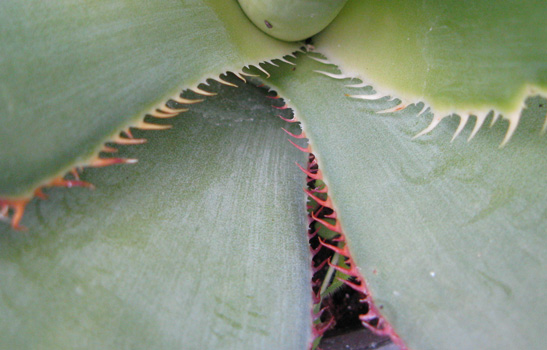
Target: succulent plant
204,243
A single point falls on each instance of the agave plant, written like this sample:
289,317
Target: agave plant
204,243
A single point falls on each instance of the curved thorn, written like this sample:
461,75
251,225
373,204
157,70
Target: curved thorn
320,329
74,173
4,209
248,74
320,190
319,266
430,127
124,141
186,101
352,271
315,298
148,126
400,106
321,60
18,206
314,233
332,75
227,83
237,74
199,91
40,193
316,176
262,69
369,316
108,149
370,97
317,315
128,133
374,330
18,212
342,251
101,162
326,203
162,115
340,238
359,85
479,122
358,287
336,227
513,122
494,119
60,182
169,110
331,216
283,59
293,120
463,120
301,136
285,106
423,109
316,250
305,150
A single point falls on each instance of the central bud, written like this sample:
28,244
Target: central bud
291,20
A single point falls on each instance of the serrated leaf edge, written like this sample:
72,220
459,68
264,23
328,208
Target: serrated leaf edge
512,116
12,208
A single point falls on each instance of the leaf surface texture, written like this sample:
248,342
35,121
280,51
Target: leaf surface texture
449,236
201,245
74,74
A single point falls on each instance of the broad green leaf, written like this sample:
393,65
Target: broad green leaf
200,245
450,237
73,73
464,57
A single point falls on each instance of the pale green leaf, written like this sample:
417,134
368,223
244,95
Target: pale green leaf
201,245
450,237
464,57
75,73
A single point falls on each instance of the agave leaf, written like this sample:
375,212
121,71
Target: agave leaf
449,236
463,57
198,246
74,74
